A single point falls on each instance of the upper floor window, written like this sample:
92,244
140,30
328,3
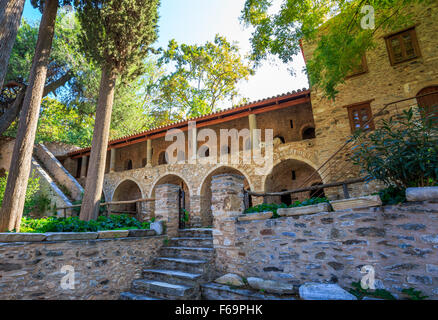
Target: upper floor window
162,158
360,116
402,46
360,68
128,164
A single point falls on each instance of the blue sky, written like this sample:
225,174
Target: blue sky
197,21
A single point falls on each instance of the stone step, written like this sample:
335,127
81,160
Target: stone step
187,252
199,242
196,232
134,296
186,265
173,276
164,289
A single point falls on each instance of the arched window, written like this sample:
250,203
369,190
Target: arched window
428,101
162,158
308,133
128,164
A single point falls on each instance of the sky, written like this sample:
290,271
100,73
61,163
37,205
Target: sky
198,21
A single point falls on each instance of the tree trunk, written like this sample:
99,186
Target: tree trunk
13,201
13,111
10,17
97,161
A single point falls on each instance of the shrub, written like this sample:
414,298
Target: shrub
32,187
73,224
402,152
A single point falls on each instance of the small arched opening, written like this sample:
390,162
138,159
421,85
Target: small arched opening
308,133
127,164
278,140
125,191
289,175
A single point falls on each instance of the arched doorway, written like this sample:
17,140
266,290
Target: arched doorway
127,190
427,101
288,175
175,180
205,193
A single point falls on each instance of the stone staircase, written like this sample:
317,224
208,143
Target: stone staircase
177,273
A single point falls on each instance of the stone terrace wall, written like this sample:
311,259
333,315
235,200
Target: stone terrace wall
103,267
401,242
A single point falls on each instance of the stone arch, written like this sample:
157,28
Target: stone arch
171,178
204,192
127,190
307,131
289,174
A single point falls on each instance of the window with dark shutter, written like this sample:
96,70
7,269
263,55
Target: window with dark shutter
402,46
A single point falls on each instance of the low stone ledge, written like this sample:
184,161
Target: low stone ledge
299,211
255,216
111,234
360,202
64,236
422,194
215,291
141,233
22,237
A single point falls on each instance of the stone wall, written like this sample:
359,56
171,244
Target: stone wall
400,242
103,268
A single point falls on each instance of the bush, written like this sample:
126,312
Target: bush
392,195
273,207
73,224
32,187
402,152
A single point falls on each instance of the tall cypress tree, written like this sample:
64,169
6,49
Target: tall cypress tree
116,35
14,197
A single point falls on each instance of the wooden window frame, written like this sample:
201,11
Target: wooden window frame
398,34
360,105
364,68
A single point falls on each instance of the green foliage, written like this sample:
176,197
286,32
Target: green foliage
117,33
186,217
38,205
32,187
402,152
73,224
273,207
414,294
203,76
333,28
360,293
392,195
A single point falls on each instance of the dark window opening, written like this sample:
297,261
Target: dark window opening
291,123
309,133
286,198
294,175
317,193
128,164
143,162
162,158
78,168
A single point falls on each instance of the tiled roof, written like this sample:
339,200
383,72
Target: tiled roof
222,112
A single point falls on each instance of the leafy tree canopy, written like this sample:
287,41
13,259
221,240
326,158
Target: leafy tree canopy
333,26
118,33
198,78
68,115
